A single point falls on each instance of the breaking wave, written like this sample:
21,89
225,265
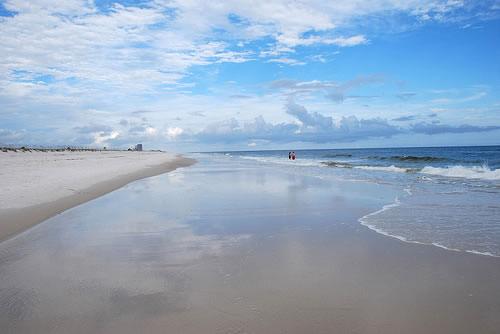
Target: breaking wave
386,169
473,172
340,164
412,158
338,155
337,164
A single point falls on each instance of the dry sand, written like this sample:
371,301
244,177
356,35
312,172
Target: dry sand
38,185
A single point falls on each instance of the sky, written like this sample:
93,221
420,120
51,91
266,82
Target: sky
198,75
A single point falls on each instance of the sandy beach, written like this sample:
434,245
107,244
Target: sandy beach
38,185
250,167
232,248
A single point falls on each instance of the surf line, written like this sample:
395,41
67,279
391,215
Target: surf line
363,221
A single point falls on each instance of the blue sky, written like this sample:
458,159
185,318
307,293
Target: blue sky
198,75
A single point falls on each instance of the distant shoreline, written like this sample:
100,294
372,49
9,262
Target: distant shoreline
42,184
6,149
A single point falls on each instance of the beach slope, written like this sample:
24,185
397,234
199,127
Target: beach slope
38,185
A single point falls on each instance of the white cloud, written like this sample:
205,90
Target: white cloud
103,137
173,133
130,49
66,63
118,50
348,41
438,109
464,99
318,58
436,10
150,131
287,61
335,91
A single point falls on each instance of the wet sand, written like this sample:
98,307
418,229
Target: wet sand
227,249
39,185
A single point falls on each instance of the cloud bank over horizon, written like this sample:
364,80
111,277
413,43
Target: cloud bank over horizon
193,75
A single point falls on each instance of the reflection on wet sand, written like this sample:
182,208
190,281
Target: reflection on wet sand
215,249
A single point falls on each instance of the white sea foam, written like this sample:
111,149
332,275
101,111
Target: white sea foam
444,247
365,222
474,172
481,253
384,169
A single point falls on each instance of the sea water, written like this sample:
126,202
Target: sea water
450,196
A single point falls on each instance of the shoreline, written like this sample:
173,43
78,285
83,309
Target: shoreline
382,232
220,248
15,220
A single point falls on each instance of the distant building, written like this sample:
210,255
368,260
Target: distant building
138,147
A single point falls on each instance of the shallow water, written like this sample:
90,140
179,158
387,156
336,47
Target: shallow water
451,195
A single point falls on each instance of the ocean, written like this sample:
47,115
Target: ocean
448,197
